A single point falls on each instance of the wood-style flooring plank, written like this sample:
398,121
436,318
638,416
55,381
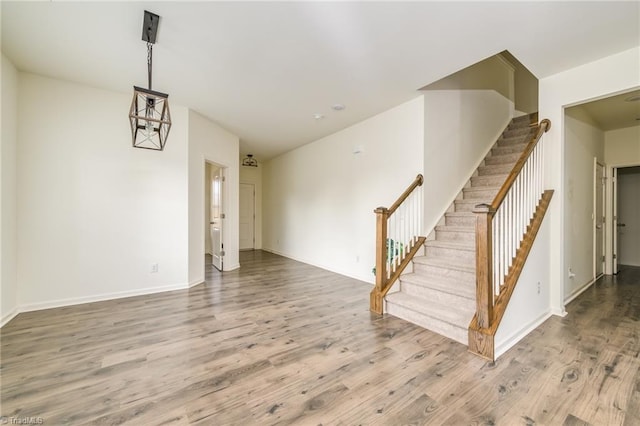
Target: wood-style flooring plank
279,342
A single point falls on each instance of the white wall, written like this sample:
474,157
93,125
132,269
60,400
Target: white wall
461,126
629,214
253,175
8,194
319,199
610,75
529,303
583,141
210,142
95,213
622,147
494,73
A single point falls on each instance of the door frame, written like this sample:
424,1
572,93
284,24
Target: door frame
611,266
599,186
222,211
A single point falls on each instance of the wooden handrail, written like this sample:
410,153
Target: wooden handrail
416,183
543,127
383,283
492,297
481,335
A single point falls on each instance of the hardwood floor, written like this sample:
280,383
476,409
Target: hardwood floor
282,342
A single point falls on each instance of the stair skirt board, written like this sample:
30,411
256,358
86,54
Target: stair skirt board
439,294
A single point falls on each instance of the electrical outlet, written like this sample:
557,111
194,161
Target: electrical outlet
154,268
538,287
357,259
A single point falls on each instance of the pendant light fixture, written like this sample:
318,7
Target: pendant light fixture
249,161
149,113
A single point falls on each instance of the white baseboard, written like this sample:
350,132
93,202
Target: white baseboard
9,316
578,292
368,280
559,313
233,267
502,347
196,282
99,297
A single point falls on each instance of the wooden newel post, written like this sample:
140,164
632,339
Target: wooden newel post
484,264
382,214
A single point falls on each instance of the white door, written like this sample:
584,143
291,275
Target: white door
598,220
614,182
217,217
247,216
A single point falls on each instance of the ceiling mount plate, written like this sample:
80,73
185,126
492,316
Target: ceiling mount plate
150,27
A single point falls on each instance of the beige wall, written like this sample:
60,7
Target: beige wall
95,213
622,147
8,193
460,128
614,74
209,142
319,199
583,143
493,73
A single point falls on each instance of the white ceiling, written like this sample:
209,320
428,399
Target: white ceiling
263,69
614,112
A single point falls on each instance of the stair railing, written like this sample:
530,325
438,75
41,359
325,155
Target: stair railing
398,239
502,227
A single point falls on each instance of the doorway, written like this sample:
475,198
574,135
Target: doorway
214,216
247,216
626,217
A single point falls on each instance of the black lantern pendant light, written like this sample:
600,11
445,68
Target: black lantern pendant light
249,161
149,113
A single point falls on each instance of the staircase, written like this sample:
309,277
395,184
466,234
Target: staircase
440,293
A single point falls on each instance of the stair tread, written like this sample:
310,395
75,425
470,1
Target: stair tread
447,263
474,201
451,245
482,188
459,214
454,287
454,316
455,228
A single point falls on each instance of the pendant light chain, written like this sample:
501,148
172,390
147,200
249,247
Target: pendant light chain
149,61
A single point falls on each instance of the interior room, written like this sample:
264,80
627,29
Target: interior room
320,213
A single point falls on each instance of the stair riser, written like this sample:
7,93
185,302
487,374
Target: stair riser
460,220
495,170
523,131
451,253
490,180
451,331
522,125
479,194
513,141
438,296
501,159
456,236
465,207
509,149
453,275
